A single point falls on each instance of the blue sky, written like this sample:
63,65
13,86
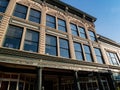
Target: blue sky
107,13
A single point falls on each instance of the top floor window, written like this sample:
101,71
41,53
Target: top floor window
88,53
82,32
113,59
74,29
61,25
50,21
98,55
35,16
92,35
20,11
13,37
3,5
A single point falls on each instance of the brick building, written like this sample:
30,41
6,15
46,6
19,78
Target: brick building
49,45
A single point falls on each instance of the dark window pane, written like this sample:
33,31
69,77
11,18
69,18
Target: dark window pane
75,33
87,49
61,22
49,24
79,55
78,51
98,55
32,36
13,85
51,40
31,41
3,5
20,11
21,85
82,32
77,47
74,29
92,35
13,37
30,46
35,16
100,59
14,31
88,53
64,48
88,57
64,43
51,45
12,42
51,50
61,25
62,28
113,59
64,53
50,21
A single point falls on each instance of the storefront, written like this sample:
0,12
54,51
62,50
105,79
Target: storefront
116,77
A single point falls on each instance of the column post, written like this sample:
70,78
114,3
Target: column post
77,84
39,75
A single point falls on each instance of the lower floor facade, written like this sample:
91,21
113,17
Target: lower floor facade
15,77
28,71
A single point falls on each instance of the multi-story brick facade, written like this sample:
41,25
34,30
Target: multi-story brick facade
49,45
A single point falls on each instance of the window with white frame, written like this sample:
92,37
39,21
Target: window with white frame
113,58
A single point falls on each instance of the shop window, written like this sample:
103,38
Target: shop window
3,5
98,55
64,48
35,16
20,11
92,35
113,58
82,32
50,21
13,37
88,53
31,41
51,45
78,51
74,29
61,25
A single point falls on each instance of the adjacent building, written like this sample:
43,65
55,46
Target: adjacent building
50,45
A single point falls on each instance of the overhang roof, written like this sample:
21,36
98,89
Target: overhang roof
70,9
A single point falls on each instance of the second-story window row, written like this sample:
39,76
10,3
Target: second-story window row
56,46
14,37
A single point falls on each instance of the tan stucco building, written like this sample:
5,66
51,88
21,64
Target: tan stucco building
49,45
